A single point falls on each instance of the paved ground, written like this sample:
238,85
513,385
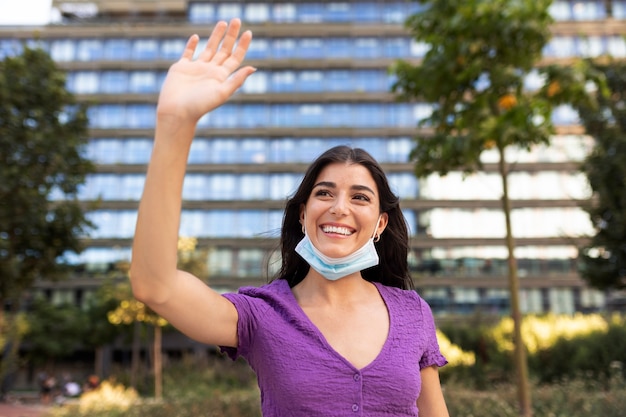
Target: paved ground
15,410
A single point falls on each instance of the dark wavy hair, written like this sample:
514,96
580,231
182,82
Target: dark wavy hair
393,245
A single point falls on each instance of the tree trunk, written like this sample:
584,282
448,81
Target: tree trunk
98,360
134,359
158,363
519,357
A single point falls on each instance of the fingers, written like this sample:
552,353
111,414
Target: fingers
221,43
214,41
237,79
236,58
190,47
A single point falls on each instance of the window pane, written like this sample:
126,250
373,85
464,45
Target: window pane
282,150
117,49
250,263
200,152
89,50
222,187
282,186
366,48
284,48
257,12
105,151
143,82
284,12
227,11
113,82
310,81
224,151
85,82
253,187
201,13
137,151
311,12
145,49
368,12
253,151
251,223
259,49
338,80
172,48
220,261
338,48
283,81
221,223
132,187
140,116
62,50
338,12
196,187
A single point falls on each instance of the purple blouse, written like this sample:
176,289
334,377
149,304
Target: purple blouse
301,375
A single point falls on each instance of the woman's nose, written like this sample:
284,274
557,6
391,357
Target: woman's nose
339,207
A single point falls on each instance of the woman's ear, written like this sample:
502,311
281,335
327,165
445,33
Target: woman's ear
301,216
382,223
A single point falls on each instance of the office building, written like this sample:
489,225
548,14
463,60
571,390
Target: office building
322,80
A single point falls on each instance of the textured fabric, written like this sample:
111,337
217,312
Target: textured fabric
301,375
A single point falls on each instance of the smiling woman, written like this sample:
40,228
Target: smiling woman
339,330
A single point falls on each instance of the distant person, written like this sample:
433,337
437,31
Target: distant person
92,383
47,385
339,331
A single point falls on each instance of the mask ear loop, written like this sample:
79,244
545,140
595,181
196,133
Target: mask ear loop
376,236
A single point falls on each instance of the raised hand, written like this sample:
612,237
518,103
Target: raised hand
193,88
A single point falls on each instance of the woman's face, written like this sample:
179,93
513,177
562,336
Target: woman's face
342,211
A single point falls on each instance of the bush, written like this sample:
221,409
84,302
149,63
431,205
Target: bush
223,388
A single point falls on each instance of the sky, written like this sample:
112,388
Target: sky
25,12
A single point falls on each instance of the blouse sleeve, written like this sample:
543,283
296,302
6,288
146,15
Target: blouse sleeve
246,324
432,354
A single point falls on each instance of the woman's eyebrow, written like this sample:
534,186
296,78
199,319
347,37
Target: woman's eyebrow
362,188
331,184
328,184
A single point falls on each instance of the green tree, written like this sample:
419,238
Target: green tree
55,331
603,261
480,53
42,132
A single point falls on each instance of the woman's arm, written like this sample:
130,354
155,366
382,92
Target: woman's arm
191,89
431,402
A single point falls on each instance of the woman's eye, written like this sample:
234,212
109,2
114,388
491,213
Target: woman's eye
362,197
322,193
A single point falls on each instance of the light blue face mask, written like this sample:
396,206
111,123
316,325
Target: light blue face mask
334,268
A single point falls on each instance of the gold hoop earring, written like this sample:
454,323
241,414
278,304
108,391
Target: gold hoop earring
376,238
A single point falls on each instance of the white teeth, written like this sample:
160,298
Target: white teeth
335,229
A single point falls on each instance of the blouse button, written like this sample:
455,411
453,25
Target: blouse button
357,377
355,407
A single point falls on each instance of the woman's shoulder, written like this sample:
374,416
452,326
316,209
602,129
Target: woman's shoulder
400,293
402,298
275,294
276,288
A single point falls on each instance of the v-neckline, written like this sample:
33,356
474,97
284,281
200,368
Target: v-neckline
320,335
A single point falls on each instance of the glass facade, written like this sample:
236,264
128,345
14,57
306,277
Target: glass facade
311,93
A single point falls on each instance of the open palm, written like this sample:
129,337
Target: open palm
194,87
